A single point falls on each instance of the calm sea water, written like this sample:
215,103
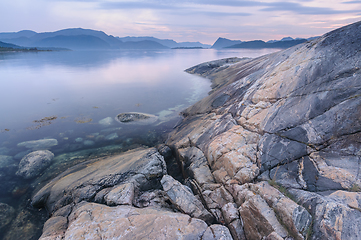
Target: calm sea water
74,96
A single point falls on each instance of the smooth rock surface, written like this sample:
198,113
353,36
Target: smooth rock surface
96,221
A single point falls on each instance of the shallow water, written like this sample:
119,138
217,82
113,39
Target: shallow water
74,97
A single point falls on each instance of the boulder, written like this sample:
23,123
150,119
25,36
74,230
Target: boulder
34,163
136,118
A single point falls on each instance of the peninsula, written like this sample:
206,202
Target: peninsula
272,153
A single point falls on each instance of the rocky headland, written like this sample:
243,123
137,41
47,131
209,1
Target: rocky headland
272,153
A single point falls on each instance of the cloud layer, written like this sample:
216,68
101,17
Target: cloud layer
187,20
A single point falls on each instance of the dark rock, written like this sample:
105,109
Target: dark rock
136,118
34,163
7,214
236,229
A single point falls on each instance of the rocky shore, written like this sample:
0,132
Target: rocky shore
272,153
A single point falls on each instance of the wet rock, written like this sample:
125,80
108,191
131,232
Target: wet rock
136,118
106,121
91,177
217,232
42,144
184,199
34,163
7,214
93,221
120,195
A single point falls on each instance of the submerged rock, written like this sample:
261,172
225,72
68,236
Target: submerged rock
34,163
111,136
88,143
106,121
7,214
42,144
136,118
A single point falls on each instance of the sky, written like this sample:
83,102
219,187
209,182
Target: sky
183,20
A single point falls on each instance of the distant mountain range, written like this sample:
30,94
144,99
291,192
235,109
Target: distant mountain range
81,39
283,43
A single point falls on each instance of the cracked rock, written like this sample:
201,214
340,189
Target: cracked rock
184,200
